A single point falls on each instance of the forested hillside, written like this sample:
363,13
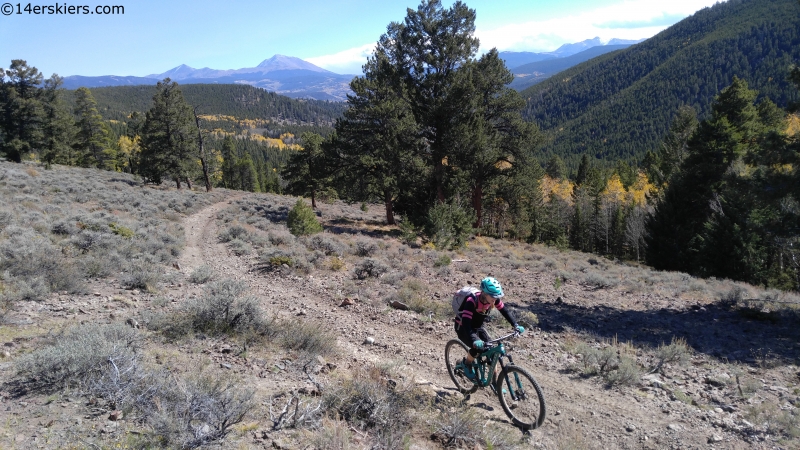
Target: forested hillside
529,74
240,101
618,106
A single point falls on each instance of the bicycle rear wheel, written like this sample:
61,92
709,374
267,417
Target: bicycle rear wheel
521,397
454,351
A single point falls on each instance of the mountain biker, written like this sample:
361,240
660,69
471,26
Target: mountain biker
470,317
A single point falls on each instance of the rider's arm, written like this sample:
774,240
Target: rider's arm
501,307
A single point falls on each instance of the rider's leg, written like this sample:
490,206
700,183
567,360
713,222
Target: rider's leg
473,353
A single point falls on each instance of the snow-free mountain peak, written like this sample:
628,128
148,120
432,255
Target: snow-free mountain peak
282,62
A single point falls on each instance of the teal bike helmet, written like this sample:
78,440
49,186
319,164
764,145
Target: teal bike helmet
491,287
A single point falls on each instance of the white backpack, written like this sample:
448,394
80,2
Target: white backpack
461,294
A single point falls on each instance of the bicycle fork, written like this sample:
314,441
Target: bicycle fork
516,393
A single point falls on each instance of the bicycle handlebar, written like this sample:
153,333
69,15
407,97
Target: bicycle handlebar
503,338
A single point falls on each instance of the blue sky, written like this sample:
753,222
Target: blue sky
155,36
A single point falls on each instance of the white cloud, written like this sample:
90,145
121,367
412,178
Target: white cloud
631,19
628,19
346,62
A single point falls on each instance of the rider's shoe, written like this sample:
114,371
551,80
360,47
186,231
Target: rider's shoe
469,369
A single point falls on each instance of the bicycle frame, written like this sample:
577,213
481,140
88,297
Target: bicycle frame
488,360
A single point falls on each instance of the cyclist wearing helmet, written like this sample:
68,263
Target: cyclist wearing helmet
470,317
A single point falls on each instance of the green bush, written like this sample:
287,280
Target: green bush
302,220
121,231
442,260
449,225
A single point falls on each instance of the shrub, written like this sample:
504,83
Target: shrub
197,412
442,260
627,373
334,434
121,231
326,245
527,319
276,258
240,247
202,275
27,255
598,281
336,263
677,352
224,310
449,225
364,247
311,338
408,233
369,267
233,232
141,275
79,356
372,400
98,266
328,196
280,237
302,220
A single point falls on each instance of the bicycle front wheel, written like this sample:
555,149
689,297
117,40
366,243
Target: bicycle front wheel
521,397
454,351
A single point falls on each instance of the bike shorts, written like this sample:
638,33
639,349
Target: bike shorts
466,338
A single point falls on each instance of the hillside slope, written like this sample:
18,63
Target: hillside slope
620,105
708,387
240,101
529,74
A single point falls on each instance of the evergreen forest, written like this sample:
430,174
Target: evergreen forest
618,106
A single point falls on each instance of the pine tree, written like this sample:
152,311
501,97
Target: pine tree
247,174
555,168
169,147
376,150
58,126
21,111
92,141
583,169
306,172
230,176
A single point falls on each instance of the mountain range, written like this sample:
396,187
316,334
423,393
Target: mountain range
297,78
284,75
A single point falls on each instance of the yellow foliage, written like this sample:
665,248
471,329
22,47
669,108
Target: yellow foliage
503,165
793,125
614,191
127,148
552,187
783,169
638,192
286,136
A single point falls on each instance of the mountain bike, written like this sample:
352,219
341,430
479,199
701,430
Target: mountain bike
519,393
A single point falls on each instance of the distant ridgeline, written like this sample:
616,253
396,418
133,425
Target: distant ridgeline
619,105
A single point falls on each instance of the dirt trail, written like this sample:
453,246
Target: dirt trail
596,414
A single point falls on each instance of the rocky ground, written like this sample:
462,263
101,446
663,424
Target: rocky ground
737,389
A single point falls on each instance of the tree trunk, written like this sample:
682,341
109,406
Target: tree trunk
178,182
387,199
477,203
202,153
189,183
313,199
438,172
206,178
